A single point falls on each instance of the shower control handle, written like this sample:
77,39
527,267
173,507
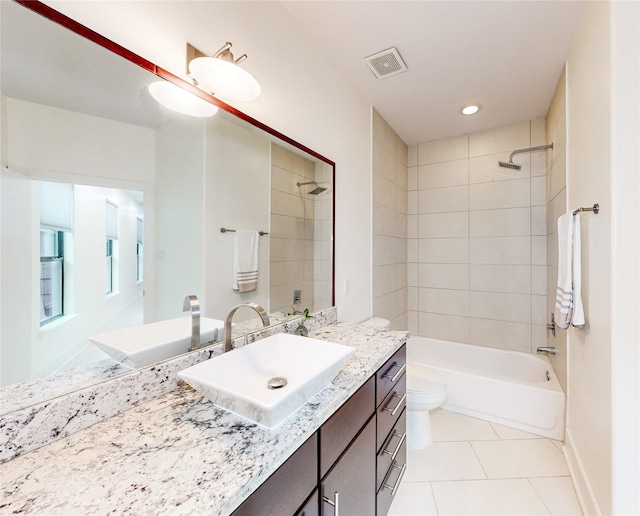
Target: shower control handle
552,326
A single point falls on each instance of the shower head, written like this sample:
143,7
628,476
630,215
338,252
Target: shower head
510,164
517,166
317,190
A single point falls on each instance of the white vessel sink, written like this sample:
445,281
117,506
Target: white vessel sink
238,380
147,344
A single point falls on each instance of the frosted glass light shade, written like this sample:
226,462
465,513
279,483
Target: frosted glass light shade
177,99
224,79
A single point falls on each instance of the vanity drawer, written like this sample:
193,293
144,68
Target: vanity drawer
340,429
394,449
390,409
390,486
389,374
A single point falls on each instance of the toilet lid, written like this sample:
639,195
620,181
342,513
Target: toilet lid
421,378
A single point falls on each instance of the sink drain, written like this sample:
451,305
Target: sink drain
277,382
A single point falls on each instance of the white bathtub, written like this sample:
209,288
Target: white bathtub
505,387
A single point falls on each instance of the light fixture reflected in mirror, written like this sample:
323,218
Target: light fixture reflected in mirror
180,100
221,76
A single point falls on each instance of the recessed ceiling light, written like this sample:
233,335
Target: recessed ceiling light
470,109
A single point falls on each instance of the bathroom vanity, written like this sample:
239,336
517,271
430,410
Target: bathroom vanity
179,454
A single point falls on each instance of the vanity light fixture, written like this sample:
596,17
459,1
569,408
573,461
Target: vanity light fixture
220,75
470,109
177,99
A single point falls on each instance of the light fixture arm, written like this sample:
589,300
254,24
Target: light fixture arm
223,50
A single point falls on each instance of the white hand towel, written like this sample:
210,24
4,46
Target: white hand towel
564,292
245,261
568,307
578,311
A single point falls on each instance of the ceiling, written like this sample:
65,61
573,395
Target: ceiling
505,55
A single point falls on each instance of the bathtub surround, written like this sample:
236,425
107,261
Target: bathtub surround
218,468
29,428
477,239
389,224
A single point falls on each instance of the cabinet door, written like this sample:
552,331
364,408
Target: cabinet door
288,488
351,483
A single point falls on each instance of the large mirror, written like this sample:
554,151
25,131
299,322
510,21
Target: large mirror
112,208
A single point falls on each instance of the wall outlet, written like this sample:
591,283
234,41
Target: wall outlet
297,296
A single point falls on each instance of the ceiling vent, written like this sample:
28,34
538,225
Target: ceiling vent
386,63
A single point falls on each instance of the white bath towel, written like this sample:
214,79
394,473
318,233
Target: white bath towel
568,307
245,261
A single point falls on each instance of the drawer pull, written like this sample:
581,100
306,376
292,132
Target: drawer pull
335,503
402,369
395,452
394,488
397,407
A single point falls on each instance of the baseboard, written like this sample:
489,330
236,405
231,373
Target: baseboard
579,478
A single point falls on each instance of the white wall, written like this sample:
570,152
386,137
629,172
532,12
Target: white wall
603,433
237,186
302,96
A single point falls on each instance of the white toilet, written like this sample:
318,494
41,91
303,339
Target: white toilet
426,391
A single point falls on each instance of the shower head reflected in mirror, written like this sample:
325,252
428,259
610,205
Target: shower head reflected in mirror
317,190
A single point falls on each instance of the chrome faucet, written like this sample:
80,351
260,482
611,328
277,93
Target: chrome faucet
191,304
545,349
227,323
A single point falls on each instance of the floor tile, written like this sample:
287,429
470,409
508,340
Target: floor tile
413,499
440,411
456,427
443,461
558,495
520,459
506,432
488,497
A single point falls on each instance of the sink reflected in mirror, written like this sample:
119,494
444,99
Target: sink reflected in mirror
267,381
147,344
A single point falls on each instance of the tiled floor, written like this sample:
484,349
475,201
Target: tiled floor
479,468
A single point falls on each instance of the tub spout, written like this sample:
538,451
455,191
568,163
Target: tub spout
545,349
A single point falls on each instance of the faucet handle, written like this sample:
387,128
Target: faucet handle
191,303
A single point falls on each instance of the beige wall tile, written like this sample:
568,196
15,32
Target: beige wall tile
500,334
383,133
413,322
538,337
412,202
501,139
384,162
539,309
449,276
443,225
412,298
538,132
412,275
412,250
384,221
385,280
512,279
412,178
440,175
286,250
557,179
412,226
539,280
443,301
501,250
448,149
538,191
412,155
402,179
401,225
402,151
539,220
444,250
539,163
557,207
384,191
515,193
538,250
504,222
443,200
499,306
445,327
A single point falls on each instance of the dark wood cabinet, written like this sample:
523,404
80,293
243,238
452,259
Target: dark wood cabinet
355,460
351,482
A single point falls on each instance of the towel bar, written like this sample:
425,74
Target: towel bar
225,230
595,209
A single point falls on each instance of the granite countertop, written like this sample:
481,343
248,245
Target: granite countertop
179,454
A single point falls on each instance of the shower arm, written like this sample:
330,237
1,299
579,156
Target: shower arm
530,149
